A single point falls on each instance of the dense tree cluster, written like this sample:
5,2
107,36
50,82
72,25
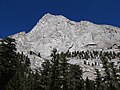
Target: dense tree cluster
93,54
14,66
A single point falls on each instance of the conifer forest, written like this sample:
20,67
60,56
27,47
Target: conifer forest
55,73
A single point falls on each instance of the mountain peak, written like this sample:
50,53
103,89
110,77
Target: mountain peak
49,15
49,21
56,31
57,24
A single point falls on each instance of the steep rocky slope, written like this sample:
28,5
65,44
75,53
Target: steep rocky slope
56,31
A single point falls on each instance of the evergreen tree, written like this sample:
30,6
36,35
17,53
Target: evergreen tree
14,66
114,77
8,61
55,82
89,84
75,80
98,80
45,75
64,68
39,55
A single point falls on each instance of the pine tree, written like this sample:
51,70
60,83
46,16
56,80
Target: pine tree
19,80
45,75
98,80
7,61
55,82
114,76
14,66
89,84
75,80
64,69
39,55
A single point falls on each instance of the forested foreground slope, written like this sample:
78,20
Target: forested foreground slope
55,73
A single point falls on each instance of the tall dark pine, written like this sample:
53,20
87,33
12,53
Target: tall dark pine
64,70
75,80
55,82
45,75
7,61
98,80
19,80
89,85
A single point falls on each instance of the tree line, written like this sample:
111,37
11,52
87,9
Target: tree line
54,74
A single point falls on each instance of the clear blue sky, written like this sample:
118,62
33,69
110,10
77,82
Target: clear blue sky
22,15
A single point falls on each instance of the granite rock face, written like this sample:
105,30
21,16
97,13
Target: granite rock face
56,31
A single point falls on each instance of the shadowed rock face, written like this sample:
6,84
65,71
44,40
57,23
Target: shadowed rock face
56,31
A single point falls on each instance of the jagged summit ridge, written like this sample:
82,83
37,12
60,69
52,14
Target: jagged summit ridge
49,21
